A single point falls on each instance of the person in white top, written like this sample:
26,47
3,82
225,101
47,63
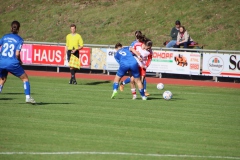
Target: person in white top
183,38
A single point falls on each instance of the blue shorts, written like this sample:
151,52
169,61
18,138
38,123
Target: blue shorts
15,69
128,66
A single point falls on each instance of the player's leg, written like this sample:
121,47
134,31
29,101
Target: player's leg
126,81
3,78
140,88
133,88
143,80
115,86
136,75
121,72
27,88
18,71
2,81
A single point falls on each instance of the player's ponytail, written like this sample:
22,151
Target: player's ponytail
15,25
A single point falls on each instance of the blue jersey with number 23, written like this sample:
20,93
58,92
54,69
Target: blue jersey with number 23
10,43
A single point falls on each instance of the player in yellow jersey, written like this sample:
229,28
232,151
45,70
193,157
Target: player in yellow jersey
74,43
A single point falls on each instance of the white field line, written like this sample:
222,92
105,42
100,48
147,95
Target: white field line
116,153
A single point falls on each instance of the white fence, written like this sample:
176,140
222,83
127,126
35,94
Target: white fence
218,63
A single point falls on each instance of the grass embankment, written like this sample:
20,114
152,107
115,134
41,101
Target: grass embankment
214,23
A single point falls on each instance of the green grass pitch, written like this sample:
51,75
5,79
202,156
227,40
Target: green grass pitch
82,122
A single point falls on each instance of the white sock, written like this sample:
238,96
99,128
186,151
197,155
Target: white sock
27,96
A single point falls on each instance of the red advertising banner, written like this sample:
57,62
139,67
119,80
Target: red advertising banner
43,54
84,55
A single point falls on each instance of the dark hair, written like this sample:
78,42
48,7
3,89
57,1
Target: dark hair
183,28
15,27
142,38
73,25
178,22
148,42
138,33
139,36
118,45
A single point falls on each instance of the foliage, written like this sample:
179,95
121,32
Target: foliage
212,23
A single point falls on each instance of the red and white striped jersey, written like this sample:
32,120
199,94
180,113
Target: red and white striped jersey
145,54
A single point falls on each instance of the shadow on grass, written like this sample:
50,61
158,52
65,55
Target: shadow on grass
97,82
4,99
161,98
43,103
14,93
154,98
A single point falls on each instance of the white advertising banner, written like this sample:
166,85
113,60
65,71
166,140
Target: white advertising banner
226,65
175,62
111,62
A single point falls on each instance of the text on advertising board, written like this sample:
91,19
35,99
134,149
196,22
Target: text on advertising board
53,55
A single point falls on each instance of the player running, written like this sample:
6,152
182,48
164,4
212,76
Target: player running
127,62
10,59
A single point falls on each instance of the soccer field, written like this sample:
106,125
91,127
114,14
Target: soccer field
82,122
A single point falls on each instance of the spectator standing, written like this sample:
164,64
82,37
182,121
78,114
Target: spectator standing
173,34
183,38
74,43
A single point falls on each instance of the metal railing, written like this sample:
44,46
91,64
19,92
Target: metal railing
158,74
156,48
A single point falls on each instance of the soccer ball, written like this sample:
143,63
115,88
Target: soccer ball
167,95
160,86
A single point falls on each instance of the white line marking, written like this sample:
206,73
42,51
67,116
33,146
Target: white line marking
116,153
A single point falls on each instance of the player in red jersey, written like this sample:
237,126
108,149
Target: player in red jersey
146,54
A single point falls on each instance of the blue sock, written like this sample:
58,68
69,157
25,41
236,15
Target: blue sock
142,92
26,86
127,80
1,87
144,84
115,86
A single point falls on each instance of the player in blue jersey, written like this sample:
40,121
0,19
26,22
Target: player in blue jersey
139,38
10,59
127,62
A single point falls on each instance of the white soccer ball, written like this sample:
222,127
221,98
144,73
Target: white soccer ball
160,86
167,95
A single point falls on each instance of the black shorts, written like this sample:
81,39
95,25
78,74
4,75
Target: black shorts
69,52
